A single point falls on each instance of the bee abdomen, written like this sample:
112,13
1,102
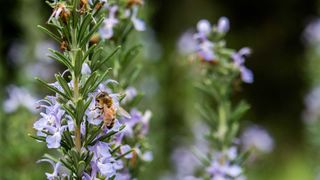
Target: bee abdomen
110,124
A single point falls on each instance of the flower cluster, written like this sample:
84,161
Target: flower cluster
224,166
220,69
84,118
119,13
209,45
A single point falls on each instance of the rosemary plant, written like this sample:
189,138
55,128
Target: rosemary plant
219,69
80,119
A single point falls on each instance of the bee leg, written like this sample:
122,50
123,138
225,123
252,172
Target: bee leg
99,116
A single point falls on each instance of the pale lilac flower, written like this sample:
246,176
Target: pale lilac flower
107,165
57,170
145,156
223,25
18,97
185,162
239,60
131,93
204,29
85,70
51,123
123,176
204,46
106,32
257,138
125,149
136,117
93,114
138,24
187,43
311,33
205,50
221,166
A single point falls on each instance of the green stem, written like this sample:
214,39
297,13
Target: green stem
222,129
76,95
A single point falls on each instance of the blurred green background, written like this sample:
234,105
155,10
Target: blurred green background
272,28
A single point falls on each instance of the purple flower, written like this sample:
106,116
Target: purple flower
125,149
221,166
131,93
204,46
106,32
57,170
51,123
257,138
239,60
205,50
136,117
138,24
311,33
187,43
223,25
204,29
106,164
85,70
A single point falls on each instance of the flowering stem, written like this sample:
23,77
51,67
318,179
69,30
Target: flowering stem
222,123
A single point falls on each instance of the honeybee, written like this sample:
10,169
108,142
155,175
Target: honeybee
104,102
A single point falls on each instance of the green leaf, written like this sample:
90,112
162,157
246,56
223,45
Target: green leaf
81,167
79,111
39,138
131,54
64,85
100,63
239,111
70,110
93,135
53,88
78,63
90,81
87,37
61,58
109,134
51,34
123,155
89,51
135,74
48,156
67,165
84,26
101,79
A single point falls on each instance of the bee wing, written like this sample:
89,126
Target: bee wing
123,112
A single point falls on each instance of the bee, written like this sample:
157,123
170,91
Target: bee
104,102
